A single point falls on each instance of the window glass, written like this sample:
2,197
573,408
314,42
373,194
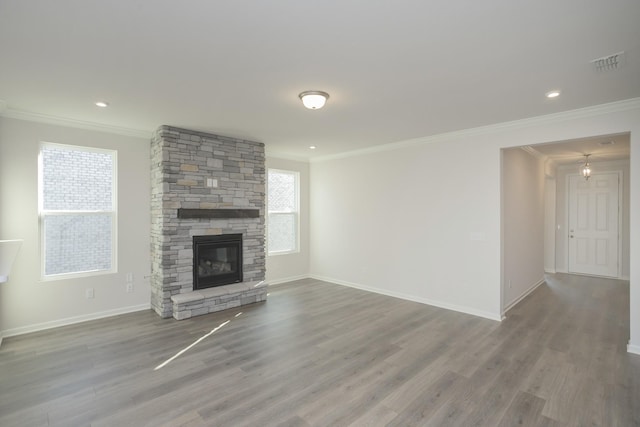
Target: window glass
283,207
77,210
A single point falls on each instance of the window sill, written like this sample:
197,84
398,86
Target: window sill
297,251
66,276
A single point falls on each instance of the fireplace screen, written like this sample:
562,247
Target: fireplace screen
217,260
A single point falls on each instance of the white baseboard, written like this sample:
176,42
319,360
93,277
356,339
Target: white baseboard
550,270
523,296
634,349
623,278
287,279
439,304
71,320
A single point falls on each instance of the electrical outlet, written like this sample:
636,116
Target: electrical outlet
89,293
129,287
509,284
129,277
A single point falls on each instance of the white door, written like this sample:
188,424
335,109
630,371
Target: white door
594,224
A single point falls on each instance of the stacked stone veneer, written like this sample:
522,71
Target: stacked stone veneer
181,162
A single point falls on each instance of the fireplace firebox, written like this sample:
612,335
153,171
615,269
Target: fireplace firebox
217,260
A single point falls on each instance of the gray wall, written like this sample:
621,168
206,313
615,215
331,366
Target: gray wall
523,222
26,302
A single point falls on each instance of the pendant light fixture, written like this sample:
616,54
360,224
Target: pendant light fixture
314,99
585,169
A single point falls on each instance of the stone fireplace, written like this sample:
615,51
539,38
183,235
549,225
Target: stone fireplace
206,187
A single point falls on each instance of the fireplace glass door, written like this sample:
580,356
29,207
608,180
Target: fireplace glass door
217,260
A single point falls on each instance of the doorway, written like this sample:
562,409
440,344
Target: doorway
526,257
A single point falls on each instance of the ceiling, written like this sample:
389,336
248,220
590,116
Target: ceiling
599,148
394,70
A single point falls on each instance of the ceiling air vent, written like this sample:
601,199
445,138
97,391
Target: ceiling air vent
608,63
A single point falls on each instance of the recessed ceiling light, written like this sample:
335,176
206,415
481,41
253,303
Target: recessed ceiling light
553,94
102,104
312,147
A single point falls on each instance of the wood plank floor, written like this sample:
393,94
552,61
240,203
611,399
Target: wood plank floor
319,354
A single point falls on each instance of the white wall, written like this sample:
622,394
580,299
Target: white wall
562,241
287,267
421,223
523,222
634,238
404,219
26,302
550,224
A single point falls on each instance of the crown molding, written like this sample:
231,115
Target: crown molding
11,113
284,156
550,164
604,163
548,119
532,151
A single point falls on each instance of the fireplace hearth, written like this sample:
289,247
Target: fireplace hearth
217,260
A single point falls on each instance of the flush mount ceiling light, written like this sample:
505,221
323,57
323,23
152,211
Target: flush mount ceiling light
585,169
102,104
553,94
314,99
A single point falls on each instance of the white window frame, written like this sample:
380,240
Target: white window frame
42,213
296,212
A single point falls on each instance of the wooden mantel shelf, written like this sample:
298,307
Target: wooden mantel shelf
217,213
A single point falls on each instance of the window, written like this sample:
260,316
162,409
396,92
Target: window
283,207
77,203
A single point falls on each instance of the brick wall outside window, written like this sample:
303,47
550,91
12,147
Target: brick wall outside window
77,200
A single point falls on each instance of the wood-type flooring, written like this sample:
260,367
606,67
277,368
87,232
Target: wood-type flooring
320,354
